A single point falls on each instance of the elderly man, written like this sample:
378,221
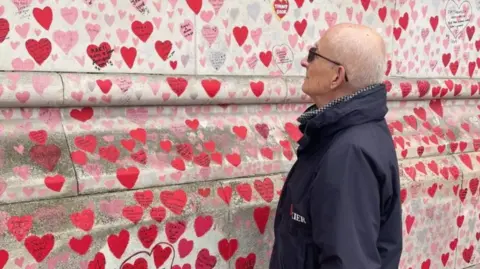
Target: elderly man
340,205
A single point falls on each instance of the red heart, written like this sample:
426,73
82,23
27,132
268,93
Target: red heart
142,30
160,255
144,198
87,143
178,85
225,193
211,86
39,50
240,34
83,220
382,13
163,49
245,191
205,260
166,145
109,153
40,247
128,144
300,26
38,137
46,156
100,55
104,85
128,176
266,57
260,215
98,262
147,235
240,131
202,225
234,159
82,245
193,124
202,159
265,189
129,55
174,200
43,16
185,247
247,262
4,29
19,227
139,134
158,213
293,131
262,129
434,22
195,5
174,230
178,164
55,183
3,258
139,263
257,88
227,248
118,243
83,114
133,213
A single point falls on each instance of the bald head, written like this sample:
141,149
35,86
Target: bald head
360,49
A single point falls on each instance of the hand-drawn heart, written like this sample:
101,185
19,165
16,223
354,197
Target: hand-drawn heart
280,7
19,227
247,262
46,156
87,143
283,57
205,260
128,176
147,235
39,50
43,16
4,29
83,220
55,183
174,200
261,215
118,243
265,189
100,55
202,225
162,254
174,230
98,262
40,247
3,258
142,30
457,17
227,248
195,5
163,49
178,85
83,114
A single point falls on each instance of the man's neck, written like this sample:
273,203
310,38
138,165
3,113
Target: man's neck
322,100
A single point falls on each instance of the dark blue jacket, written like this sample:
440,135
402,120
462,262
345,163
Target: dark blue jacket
340,205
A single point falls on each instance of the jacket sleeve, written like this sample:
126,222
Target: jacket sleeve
345,210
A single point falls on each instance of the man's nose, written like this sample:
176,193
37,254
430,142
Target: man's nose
304,62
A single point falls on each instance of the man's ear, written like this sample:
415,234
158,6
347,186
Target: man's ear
339,77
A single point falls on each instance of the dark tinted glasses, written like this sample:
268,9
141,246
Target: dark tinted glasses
313,52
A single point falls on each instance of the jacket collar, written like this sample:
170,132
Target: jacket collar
365,105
